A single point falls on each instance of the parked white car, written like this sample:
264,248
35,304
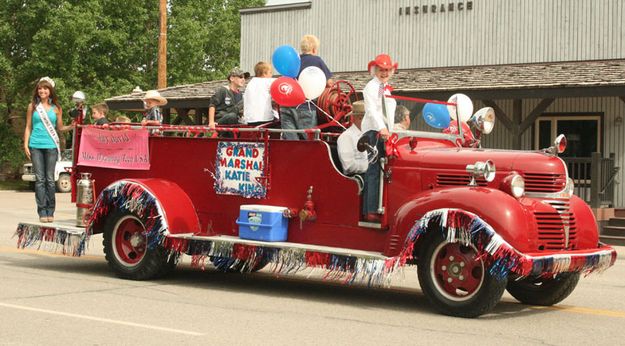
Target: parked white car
62,172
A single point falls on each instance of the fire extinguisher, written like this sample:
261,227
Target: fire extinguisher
85,196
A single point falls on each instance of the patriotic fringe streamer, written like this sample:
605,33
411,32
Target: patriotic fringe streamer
226,255
128,196
467,228
53,240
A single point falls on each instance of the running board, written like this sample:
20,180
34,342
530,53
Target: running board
283,245
63,236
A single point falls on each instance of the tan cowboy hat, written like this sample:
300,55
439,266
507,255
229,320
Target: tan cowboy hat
156,96
358,108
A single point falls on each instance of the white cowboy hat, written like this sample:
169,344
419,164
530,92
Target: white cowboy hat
156,96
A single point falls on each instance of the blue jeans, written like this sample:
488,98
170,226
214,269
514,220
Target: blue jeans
292,118
44,162
371,190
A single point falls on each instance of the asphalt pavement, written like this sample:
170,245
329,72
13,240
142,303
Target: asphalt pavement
51,299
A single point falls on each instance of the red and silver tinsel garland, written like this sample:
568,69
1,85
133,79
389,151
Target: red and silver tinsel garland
52,239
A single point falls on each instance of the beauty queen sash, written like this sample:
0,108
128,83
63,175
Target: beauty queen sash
49,127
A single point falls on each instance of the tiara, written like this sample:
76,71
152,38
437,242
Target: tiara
47,79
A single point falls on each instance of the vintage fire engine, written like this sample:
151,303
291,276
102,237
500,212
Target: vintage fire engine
475,221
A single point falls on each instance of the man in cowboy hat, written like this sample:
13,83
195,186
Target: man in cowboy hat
226,105
152,100
353,161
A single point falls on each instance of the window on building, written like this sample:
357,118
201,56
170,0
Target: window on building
583,133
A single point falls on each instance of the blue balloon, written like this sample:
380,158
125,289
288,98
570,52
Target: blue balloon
286,61
436,115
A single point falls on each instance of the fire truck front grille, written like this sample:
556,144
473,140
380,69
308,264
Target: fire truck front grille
557,230
544,182
457,180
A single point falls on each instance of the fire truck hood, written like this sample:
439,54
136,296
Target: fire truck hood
504,160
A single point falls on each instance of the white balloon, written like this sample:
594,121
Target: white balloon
313,82
464,107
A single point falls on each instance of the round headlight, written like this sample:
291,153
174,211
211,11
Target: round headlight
513,184
517,186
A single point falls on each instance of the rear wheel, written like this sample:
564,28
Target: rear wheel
64,184
455,280
126,249
543,291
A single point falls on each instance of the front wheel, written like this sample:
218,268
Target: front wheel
127,252
455,280
543,291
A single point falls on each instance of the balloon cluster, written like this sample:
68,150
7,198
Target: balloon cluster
288,91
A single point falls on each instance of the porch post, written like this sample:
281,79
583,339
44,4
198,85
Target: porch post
595,177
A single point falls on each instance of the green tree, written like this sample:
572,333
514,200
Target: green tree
204,38
106,47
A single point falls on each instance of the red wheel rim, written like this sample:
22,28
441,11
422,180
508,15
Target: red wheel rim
129,241
456,272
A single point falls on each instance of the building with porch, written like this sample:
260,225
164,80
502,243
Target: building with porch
545,66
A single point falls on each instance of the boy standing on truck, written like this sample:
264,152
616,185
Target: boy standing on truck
257,107
304,116
226,105
152,102
98,113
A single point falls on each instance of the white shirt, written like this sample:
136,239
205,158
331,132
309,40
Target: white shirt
353,161
257,101
374,117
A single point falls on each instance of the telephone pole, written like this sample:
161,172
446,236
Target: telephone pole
162,47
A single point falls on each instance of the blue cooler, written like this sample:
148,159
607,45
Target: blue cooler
262,222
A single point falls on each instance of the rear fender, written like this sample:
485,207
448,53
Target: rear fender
500,210
162,206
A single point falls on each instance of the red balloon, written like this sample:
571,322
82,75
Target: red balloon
287,92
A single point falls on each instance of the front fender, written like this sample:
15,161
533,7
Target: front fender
501,257
162,206
513,222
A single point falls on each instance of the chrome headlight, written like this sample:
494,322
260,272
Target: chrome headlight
513,184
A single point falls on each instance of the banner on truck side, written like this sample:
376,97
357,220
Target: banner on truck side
119,149
240,169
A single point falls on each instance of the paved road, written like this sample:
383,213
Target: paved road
55,300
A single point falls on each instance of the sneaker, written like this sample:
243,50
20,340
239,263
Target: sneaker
43,219
50,218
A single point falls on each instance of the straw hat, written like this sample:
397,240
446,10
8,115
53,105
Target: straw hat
383,61
156,96
358,108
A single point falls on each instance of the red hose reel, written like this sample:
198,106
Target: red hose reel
337,103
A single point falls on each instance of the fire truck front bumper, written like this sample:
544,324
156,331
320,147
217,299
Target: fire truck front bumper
539,264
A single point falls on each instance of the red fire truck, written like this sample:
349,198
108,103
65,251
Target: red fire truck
474,221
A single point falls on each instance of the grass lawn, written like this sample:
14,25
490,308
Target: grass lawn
18,185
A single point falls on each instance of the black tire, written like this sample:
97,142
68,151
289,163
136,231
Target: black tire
64,184
146,263
542,291
461,286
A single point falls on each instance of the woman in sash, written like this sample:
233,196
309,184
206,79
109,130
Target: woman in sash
41,144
